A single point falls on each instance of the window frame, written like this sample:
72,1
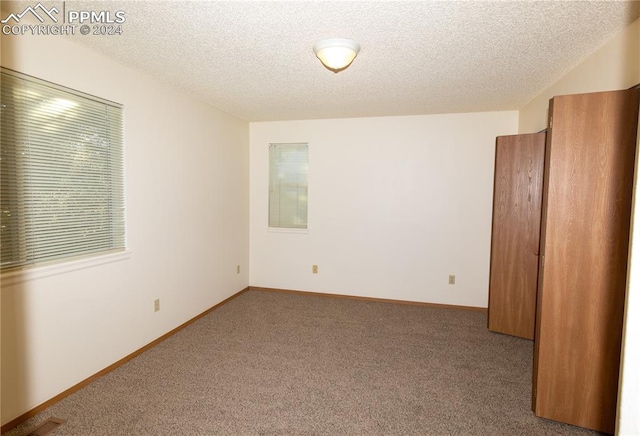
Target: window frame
37,265
284,228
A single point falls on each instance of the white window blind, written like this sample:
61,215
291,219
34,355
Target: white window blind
61,173
288,185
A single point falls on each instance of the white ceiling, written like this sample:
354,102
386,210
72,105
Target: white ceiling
255,59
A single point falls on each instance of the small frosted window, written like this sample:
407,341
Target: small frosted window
288,185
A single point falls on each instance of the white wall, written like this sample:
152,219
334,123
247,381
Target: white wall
396,204
187,198
615,65
629,393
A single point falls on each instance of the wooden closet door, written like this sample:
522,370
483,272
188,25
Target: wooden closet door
515,234
584,251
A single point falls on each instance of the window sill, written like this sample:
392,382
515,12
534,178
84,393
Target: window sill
287,230
62,267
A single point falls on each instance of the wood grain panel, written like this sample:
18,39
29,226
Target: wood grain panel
543,232
515,235
584,251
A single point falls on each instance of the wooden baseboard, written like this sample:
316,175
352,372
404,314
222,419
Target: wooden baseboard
33,412
379,300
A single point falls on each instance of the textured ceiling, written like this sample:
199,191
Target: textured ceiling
255,59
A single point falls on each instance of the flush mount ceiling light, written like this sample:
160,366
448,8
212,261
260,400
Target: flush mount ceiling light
336,54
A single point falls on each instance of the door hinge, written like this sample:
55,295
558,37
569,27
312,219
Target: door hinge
551,123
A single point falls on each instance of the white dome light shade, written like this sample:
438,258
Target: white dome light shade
336,54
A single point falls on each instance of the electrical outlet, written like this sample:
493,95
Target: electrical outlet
238,269
156,305
452,280
314,269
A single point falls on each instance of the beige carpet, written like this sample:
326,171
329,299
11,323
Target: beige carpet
269,363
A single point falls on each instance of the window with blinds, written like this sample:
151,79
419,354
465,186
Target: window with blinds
288,185
61,173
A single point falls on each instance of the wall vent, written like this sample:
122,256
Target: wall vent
46,427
